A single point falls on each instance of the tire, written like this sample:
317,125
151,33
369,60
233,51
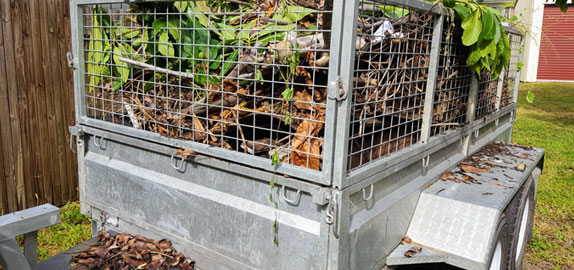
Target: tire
501,246
521,214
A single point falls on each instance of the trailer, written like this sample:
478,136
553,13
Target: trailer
336,134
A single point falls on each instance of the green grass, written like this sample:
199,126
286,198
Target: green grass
548,123
73,229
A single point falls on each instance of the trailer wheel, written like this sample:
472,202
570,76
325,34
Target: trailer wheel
500,248
522,211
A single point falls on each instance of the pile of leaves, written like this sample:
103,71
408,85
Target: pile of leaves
483,161
222,73
390,78
251,76
125,251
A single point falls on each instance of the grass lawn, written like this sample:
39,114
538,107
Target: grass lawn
73,229
548,123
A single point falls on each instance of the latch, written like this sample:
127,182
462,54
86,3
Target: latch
75,131
340,93
72,62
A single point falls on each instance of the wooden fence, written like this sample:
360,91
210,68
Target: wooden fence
36,105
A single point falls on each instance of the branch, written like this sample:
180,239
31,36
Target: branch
154,68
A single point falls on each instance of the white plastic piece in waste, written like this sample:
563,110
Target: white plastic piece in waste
385,29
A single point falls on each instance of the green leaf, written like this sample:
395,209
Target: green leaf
180,5
122,67
195,12
394,12
472,27
143,40
258,76
165,48
287,118
275,158
563,4
229,62
507,52
173,28
292,14
473,57
497,31
127,33
530,97
519,65
116,85
287,94
462,11
488,25
449,3
157,26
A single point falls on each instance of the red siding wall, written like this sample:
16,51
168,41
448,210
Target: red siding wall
556,61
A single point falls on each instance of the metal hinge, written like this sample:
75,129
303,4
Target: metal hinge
340,94
72,62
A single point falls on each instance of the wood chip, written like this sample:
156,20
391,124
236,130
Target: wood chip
473,169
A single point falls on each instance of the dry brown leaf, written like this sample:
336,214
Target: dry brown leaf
502,185
446,176
303,100
307,148
314,156
185,152
473,169
197,125
467,178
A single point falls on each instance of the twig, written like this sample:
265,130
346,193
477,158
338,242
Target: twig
239,2
445,124
274,21
154,68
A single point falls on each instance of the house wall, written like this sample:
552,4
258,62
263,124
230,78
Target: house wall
530,13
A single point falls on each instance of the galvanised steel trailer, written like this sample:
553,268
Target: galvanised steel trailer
375,107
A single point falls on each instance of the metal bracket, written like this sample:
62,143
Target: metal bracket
98,141
72,62
173,163
341,93
365,197
425,161
319,195
332,212
75,131
292,202
476,133
496,121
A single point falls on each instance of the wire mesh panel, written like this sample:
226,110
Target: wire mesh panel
392,58
486,96
512,71
241,75
453,82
